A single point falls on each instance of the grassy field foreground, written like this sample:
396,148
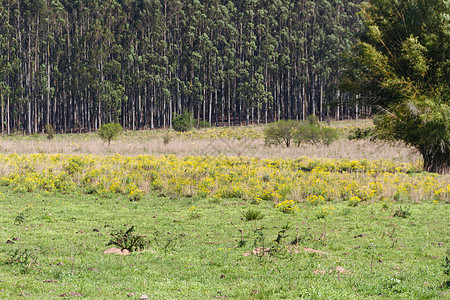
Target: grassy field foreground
224,217
205,248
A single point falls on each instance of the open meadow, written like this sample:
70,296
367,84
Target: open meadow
214,213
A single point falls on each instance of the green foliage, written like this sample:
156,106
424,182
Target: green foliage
50,131
252,214
182,123
128,240
309,132
312,133
402,212
280,132
26,259
360,133
110,131
401,66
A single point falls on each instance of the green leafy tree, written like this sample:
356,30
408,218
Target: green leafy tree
109,132
402,68
281,132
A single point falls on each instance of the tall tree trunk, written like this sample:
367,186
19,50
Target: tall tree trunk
436,158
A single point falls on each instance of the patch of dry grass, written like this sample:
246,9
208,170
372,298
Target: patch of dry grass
228,141
342,149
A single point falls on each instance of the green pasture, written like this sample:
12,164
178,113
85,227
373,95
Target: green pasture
206,249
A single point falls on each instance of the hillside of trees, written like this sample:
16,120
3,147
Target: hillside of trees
77,64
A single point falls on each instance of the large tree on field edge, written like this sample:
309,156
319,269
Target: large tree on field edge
401,66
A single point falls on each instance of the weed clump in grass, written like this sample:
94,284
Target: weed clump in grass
26,259
128,240
402,212
252,214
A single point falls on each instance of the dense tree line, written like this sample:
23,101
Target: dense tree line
77,64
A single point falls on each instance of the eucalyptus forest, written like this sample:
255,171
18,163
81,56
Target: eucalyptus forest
79,64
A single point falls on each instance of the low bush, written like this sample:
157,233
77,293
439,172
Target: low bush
182,122
310,132
109,132
359,133
281,132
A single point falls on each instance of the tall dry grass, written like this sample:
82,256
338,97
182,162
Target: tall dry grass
342,149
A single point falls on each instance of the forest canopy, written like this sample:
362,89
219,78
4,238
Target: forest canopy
79,64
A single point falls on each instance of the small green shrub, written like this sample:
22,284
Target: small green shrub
309,132
360,133
182,123
312,133
252,214
280,132
50,131
109,132
128,240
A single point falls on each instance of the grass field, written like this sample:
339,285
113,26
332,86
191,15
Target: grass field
244,222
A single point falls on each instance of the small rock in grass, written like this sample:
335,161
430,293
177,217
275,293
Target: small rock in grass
143,297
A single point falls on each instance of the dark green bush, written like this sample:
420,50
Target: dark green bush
182,122
360,133
109,132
